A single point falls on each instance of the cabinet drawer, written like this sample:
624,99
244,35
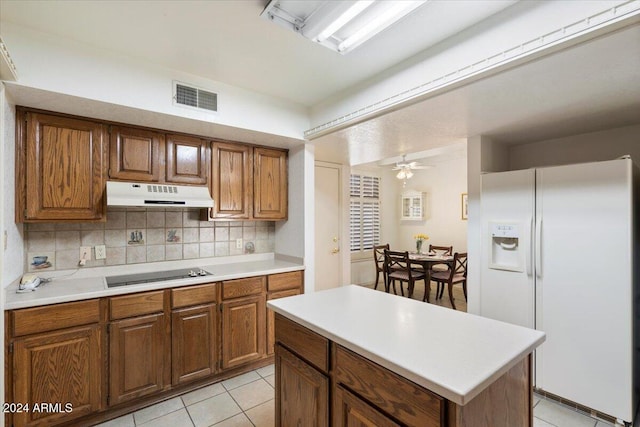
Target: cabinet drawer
52,317
136,305
403,400
281,281
307,344
242,287
193,295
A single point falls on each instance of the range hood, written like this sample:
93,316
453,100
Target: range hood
157,195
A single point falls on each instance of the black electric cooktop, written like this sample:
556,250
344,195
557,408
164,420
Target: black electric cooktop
155,276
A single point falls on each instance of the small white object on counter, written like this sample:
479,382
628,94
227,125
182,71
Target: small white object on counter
452,353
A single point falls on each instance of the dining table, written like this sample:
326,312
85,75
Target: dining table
426,261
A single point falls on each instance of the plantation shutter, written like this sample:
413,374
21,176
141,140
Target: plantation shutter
364,212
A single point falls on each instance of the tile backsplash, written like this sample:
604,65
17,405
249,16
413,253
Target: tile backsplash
138,235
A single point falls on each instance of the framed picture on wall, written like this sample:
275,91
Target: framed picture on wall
464,206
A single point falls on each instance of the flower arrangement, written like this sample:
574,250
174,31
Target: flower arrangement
419,238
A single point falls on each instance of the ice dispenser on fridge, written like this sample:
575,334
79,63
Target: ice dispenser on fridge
507,252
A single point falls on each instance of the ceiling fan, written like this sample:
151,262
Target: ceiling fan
406,168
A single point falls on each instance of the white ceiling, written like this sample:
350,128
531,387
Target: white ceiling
585,88
228,41
591,86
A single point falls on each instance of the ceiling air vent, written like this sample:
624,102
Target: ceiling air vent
193,97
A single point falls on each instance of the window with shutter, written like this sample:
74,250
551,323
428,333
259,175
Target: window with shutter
364,212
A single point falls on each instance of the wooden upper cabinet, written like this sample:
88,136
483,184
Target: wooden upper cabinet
60,169
136,154
231,185
187,160
270,184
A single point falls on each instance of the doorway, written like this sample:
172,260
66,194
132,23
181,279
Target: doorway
328,225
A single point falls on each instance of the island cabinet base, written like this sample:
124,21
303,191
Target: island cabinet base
320,383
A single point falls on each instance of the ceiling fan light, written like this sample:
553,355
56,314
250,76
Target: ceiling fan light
409,174
401,174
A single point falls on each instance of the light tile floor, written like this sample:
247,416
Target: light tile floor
248,400
243,401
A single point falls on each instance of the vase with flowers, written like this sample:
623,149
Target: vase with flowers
419,239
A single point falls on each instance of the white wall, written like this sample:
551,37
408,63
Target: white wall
67,67
13,256
443,185
295,236
588,147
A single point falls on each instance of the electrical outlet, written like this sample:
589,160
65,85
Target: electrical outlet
85,253
101,251
238,243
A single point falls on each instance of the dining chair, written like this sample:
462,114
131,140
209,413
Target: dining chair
378,258
441,251
456,274
398,267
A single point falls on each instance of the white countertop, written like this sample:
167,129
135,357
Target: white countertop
452,353
83,285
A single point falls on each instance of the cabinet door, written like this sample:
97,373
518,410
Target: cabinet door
65,169
270,184
243,330
136,154
231,185
137,356
58,368
193,343
351,411
187,160
302,393
271,332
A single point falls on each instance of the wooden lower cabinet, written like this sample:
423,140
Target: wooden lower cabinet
137,357
193,343
243,326
271,334
105,356
351,411
60,368
302,392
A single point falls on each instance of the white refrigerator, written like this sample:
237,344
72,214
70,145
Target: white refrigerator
558,256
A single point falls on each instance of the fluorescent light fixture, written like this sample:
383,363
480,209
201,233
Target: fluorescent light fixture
338,25
343,19
395,12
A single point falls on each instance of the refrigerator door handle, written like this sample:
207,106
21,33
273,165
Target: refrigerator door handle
529,252
539,247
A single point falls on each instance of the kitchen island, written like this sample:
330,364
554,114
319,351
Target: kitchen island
354,356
